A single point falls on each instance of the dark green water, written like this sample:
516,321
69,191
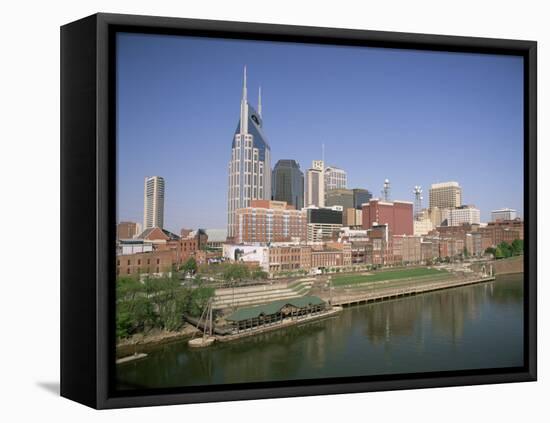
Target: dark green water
478,326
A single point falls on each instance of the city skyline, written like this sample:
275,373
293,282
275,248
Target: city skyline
358,137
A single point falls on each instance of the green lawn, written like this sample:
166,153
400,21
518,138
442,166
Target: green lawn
418,272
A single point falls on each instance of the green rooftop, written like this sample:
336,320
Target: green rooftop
273,308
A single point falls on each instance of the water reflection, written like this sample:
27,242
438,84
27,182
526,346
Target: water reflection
478,326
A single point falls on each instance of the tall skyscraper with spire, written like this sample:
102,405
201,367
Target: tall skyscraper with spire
250,164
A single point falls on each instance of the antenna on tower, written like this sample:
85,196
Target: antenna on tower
386,190
260,101
417,191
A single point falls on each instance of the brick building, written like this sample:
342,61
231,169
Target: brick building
153,263
289,257
269,221
398,215
127,230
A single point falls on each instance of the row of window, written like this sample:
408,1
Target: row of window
138,262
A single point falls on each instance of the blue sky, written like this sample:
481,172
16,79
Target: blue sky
414,117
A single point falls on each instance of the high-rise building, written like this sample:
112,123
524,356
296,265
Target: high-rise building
335,178
397,215
445,195
250,164
339,197
153,202
288,183
461,215
360,197
503,214
127,230
315,185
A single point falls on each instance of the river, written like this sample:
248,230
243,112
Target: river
471,327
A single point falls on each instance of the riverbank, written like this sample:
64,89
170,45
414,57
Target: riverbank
437,331
509,265
141,343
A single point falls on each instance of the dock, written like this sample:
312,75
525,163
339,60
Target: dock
284,324
130,358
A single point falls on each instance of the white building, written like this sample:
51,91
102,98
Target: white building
503,214
248,253
153,202
335,178
250,165
314,190
461,215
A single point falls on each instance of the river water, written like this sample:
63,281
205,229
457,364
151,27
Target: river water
472,327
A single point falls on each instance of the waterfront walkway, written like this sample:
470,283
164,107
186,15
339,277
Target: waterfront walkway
361,297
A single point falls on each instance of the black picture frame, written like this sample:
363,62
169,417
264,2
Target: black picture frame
88,198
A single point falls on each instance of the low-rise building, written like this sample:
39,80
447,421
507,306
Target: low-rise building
406,248
133,246
503,214
461,215
323,223
253,253
502,231
289,258
152,263
269,221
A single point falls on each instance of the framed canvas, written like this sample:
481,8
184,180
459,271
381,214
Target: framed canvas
257,211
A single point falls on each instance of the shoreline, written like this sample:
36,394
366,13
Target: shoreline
144,343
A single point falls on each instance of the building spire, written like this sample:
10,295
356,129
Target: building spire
260,101
244,86
244,107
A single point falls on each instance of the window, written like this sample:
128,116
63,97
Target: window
158,262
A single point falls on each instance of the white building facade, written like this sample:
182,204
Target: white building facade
314,190
461,215
335,178
153,202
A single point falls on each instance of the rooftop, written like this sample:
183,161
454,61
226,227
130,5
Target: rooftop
272,308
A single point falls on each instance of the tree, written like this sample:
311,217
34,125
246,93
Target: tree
236,273
258,273
517,247
490,250
156,303
190,266
506,249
